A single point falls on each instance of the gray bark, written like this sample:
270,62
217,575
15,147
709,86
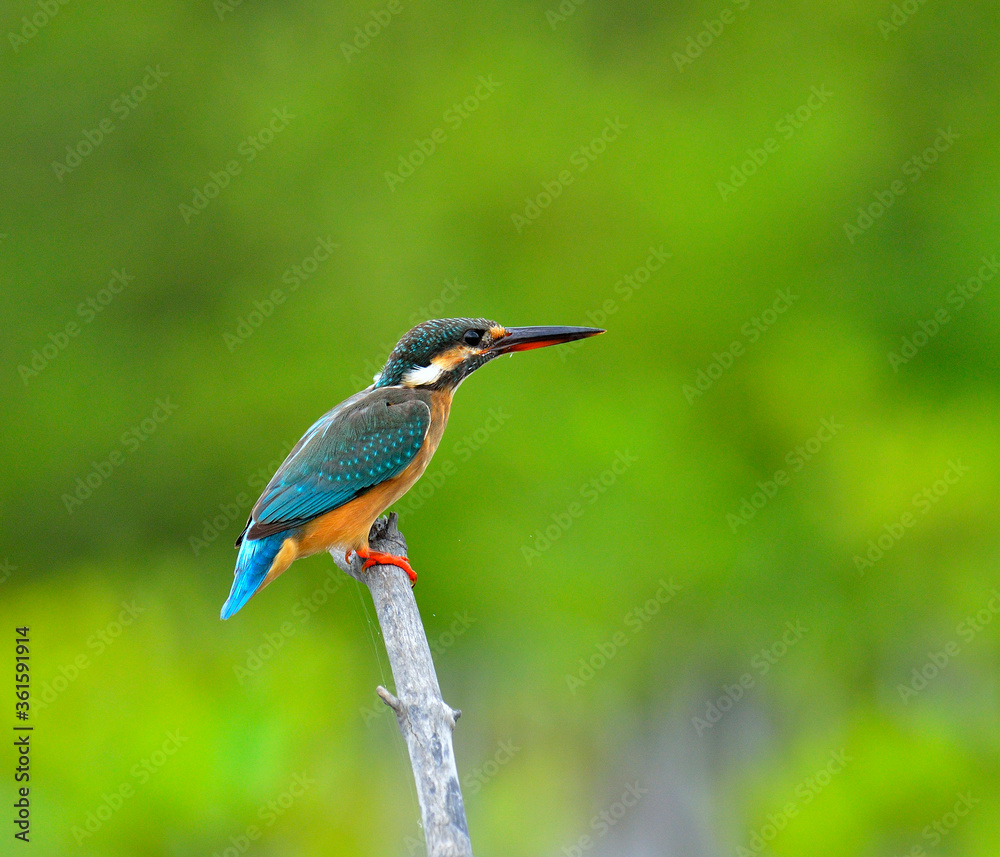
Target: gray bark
424,719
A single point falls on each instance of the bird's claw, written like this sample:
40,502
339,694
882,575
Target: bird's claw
378,558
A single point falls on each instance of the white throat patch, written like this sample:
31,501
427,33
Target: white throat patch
423,375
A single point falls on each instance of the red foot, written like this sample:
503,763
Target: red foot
378,558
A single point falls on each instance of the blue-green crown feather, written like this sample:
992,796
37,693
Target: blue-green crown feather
419,345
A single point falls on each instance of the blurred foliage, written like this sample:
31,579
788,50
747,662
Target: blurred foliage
134,359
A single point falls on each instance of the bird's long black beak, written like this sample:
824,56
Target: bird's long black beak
526,338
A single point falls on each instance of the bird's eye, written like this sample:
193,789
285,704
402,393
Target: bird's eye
472,337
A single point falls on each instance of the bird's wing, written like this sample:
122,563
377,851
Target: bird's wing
364,441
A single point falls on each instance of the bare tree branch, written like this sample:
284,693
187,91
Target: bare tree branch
424,719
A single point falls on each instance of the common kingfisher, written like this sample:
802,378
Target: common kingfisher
359,458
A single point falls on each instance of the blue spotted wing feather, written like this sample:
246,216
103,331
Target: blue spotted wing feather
361,443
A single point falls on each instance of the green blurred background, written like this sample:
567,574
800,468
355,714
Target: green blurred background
716,656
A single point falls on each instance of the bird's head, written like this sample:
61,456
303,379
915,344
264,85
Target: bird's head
440,354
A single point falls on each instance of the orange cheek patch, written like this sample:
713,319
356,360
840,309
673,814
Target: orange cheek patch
450,359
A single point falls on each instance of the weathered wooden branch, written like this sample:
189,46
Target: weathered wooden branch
424,719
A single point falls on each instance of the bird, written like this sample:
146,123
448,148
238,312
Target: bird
362,456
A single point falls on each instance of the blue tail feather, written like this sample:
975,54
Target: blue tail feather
252,564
